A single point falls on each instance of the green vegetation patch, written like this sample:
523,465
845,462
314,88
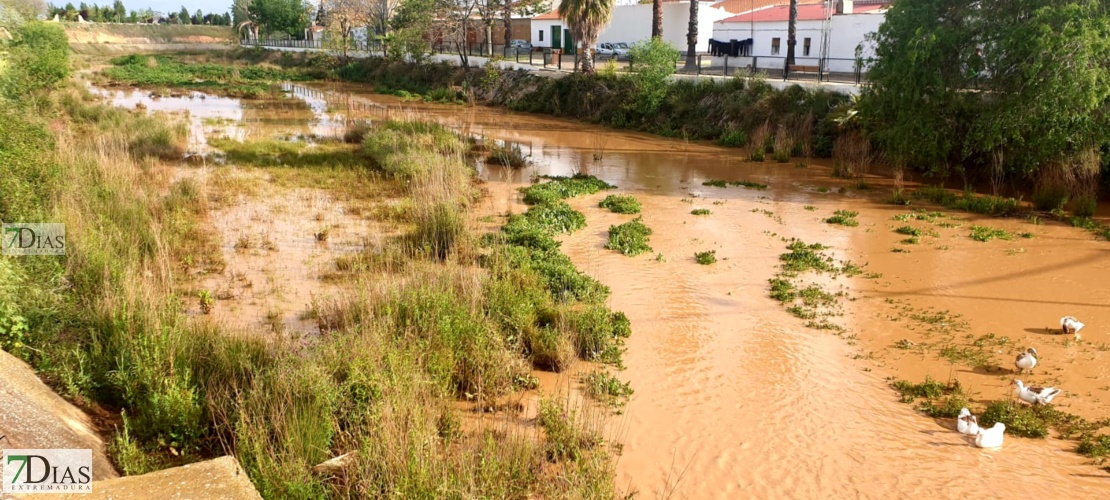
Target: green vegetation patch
607,388
701,211
746,184
167,71
630,238
621,204
968,202
561,188
844,218
984,233
706,258
275,153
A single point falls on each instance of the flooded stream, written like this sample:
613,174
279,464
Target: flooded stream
735,397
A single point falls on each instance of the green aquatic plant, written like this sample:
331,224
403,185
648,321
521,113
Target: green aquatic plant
844,218
621,204
630,238
706,258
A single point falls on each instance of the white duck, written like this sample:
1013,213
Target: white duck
1071,325
991,438
967,423
1035,395
1026,360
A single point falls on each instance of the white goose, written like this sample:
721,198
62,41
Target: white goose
1071,325
1026,360
991,438
967,423
1035,395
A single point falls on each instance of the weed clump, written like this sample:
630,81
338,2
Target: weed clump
509,156
561,188
844,218
745,184
701,211
968,202
706,258
607,388
984,234
621,204
630,238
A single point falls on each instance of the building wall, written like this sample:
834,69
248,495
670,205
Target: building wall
632,23
846,32
522,30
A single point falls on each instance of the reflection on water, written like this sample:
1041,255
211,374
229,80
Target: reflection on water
734,397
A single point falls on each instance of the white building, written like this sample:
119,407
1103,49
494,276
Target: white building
632,23
831,31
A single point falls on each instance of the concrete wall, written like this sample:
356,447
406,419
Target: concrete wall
632,23
846,32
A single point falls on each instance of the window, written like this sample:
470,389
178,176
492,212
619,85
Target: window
541,35
775,46
805,47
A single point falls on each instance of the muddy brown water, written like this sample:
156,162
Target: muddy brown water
734,397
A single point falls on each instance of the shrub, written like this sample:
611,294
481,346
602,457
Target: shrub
1021,420
630,238
653,61
621,204
561,188
844,218
38,60
509,156
732,138
1050,198
439,227
706,258
1084,206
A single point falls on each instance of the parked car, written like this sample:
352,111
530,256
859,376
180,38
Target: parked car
520,45
619,50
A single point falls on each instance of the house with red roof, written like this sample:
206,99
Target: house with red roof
831,34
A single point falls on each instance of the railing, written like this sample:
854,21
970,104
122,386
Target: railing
824,69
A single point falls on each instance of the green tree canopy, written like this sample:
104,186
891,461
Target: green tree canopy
1015,84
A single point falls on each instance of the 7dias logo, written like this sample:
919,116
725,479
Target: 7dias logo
33,239
47,471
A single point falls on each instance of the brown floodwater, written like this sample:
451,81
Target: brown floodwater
735,397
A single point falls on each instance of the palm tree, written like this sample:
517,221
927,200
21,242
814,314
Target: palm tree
692,37
586,17
657,18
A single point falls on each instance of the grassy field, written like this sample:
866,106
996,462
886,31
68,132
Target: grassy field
453,323
147,33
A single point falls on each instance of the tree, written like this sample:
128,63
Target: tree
586,17
1004,87
119,12
198,17
184,17
692,37
791,36
411,29
29,10
343,16
277,16
381,11
656,18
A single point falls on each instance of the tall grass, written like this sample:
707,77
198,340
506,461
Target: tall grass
386,379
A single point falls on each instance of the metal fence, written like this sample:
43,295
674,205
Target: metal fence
824,69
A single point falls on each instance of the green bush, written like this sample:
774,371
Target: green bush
733,139
844,218
653,61
38,60
630,238
561,188
1021,420
621,204
706,258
